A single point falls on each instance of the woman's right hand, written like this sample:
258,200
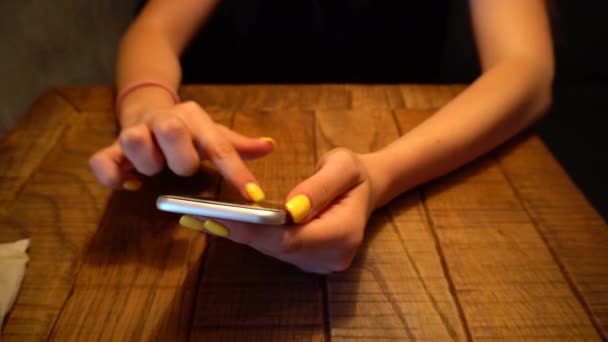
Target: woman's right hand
157,133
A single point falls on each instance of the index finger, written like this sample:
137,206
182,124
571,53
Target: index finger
219,150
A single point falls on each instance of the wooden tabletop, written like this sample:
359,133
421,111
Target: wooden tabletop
506,248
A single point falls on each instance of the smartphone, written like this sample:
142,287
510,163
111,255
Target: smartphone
259,214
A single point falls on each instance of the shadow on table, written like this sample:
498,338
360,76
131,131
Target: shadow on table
141,268
245,295
152,279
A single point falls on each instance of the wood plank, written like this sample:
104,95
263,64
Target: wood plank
65,227
396,288
429,97
244,294
296,334
506,280
268,97
126,314
59,224
141,268
376,96
25,147
498,250
89,99
575,232
236,97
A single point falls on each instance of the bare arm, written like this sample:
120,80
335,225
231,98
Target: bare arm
332,207
514,90
151,48
155,131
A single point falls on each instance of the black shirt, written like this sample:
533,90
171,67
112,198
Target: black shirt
319,41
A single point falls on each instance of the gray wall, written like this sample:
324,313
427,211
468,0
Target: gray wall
59,42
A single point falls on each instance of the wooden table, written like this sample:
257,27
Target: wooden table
506,248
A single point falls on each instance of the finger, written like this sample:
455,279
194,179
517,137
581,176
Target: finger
219,150
175,141
257,236
328,243
113,169
337,173
140,148
246,147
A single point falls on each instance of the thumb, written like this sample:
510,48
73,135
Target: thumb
337,172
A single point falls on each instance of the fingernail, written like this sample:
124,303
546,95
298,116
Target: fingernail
255,193
298,207
131,185
270,140
192,223
216,228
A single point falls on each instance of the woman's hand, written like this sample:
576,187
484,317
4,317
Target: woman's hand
330,210
178,136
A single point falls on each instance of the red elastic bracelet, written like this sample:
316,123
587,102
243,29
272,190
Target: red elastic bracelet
127,90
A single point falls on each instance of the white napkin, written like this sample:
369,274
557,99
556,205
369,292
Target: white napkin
12,268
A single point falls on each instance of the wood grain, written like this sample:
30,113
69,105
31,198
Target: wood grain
241,287
505,248
506,280
25,147
396,288
428,97
269,97
375,96
58,209
89,99
151,254
576,234
139,261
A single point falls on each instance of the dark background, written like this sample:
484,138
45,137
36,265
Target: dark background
72,42
575,127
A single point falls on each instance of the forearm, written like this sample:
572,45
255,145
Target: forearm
145,54
503,101
150,51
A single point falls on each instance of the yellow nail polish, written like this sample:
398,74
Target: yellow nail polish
131,185
270,140
298,207
192,223
255,193
216,228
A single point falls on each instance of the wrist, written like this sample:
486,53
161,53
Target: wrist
379,175
136,103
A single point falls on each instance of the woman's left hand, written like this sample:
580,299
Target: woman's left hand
330,210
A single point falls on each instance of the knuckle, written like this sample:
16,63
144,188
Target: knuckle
133,137
151,169
171,128
184,168
351,165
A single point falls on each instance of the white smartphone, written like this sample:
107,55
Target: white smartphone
259,214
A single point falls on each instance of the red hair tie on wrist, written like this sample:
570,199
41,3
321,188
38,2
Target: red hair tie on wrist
131,87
